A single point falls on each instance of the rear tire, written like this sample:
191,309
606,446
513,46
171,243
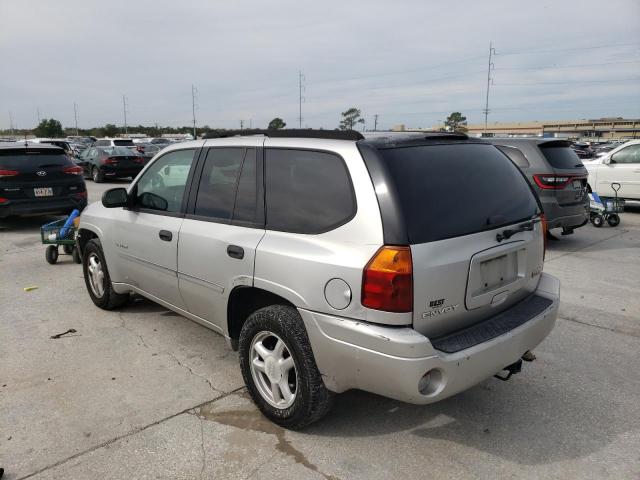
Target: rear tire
97,280
301,378
613,220
51,254
96,175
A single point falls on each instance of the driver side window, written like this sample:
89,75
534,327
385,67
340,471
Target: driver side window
162,186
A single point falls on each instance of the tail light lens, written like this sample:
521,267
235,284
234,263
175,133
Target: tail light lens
139,160
3,200
543,221
110,161
387,280
8,173
551,182
73,170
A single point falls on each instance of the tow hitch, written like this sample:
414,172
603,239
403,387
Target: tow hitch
511,370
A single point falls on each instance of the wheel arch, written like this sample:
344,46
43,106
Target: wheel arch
85,234
243,301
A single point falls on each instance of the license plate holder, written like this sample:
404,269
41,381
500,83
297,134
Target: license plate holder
43,192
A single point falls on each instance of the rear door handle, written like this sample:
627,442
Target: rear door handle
235,251
165,235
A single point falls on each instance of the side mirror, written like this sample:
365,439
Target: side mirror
115,197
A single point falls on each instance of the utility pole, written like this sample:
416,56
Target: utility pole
194,94
11,122
375,122
241,124
301,89
490,67
38,113
124,110
75,115
250,123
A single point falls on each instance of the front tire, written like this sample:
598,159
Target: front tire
97,280
279,368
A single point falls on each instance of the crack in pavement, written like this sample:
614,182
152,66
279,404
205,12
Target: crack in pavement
169,354
204,453
135,431
609,329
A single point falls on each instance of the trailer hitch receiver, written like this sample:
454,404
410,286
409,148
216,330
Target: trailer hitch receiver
511,370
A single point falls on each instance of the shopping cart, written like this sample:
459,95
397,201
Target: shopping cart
63,233
606,209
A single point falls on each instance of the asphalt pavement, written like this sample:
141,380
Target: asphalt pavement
144,393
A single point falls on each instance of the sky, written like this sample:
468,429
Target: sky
409,62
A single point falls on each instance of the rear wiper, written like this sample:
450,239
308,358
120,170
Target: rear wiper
509,232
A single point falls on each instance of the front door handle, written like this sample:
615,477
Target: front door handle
235,251
165,235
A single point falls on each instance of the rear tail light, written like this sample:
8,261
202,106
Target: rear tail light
551,182
73,170
8,173
3,200
139,160
110,161
543,221
80,194
140,149
387,280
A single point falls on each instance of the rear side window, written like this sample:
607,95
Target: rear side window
123,143
453,190
307,191
515,155
32,158
559,156
218,183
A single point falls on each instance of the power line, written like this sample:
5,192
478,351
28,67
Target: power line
194,95
553,67
568,49
568,83
124,111
301,99
490,67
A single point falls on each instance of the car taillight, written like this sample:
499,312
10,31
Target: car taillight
73,170
543,221
387,280
551,182
140,149
8,173
3,200
139,160
80,194
110,161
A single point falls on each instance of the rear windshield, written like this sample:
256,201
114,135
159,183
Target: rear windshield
119,151
560,156
123,143
453,190
17,159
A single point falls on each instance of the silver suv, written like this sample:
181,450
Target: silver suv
410,267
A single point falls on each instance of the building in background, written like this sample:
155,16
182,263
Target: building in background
596,129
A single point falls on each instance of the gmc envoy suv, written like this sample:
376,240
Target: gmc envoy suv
408,266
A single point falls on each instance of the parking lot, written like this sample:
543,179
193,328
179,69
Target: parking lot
145,393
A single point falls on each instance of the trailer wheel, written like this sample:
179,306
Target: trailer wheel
51,254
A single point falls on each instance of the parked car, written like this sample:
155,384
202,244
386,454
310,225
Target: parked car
38,178
556,174
62,143
332,262
583,150
161,141
110,162
621,165
148,150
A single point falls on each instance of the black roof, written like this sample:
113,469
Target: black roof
289,133
408,139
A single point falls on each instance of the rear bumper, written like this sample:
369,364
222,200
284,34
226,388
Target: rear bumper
565,217
121,172
41,206
390,361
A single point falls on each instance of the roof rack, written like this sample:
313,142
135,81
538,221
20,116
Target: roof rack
289,133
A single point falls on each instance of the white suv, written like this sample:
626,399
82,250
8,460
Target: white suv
410,266
621,165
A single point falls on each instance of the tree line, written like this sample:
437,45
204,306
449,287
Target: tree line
351,119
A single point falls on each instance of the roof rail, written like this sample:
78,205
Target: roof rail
289,133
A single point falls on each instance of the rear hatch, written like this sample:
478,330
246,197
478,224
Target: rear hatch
570,183
124,158
459,201
35,172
